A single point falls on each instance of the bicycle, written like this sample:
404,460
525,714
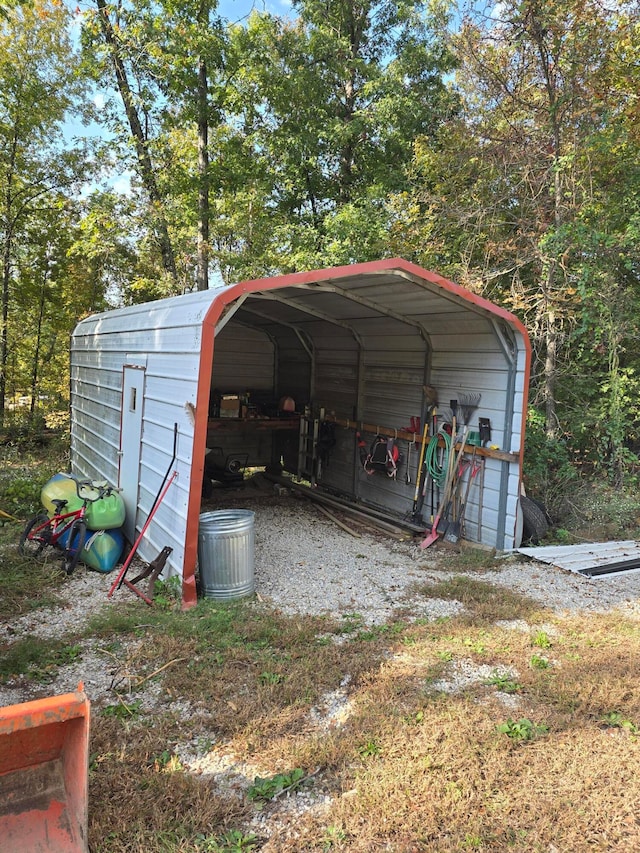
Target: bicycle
65,530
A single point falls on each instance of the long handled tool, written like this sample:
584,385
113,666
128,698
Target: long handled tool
449,481
480,499
420,472
121,574
450,484
454,530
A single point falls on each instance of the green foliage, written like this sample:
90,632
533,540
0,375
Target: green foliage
37,659
504,683
264,789
522,729
124,710
21,496
333,837
539,662
616,720
541,640
548,469
370,749
233,841
168,593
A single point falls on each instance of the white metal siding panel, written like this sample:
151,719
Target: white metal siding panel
243,359
100,349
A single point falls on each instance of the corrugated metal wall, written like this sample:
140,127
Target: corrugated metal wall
360,350
167,344
268,364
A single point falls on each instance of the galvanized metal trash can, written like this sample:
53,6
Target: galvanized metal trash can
226,550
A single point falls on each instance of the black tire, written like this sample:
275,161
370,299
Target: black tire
77,532
534,521
33,545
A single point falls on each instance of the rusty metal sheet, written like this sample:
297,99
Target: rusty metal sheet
590,559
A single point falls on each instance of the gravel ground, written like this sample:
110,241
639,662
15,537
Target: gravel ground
305,563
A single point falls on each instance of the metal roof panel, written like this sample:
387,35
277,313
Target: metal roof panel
591,559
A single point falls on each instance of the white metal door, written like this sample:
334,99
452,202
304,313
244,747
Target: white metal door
130,443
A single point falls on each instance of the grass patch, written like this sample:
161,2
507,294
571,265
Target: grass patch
35,659
26,584
515,756
407,768
483,601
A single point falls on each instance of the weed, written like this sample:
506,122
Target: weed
37,659
504,683
445,655
27,584
475,560
539,662
233,841
351,622
168,594
167,762
414,719
541,640
476,646
369,749
124,710
614,719
270,677
564,537
264,789
522,730
333,835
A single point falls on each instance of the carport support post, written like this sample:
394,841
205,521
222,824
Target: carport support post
511,355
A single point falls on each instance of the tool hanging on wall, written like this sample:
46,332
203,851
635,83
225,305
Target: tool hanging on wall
383,457
469,403
484,425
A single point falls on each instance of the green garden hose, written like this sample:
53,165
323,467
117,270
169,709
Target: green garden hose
438,471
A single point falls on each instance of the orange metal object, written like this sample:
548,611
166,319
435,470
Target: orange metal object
44,763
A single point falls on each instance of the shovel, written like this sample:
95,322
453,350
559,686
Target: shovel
454,529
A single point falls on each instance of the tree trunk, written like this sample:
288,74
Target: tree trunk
6,277
203,165
550,367
142,152
35,369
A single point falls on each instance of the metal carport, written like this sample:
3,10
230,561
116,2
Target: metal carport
355,344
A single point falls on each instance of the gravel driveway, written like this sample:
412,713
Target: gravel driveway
305,563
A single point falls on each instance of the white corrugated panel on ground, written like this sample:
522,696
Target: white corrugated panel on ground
591,559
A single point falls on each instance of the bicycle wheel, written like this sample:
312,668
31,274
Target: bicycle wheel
33,543
75,544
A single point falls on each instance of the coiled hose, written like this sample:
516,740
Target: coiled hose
438,470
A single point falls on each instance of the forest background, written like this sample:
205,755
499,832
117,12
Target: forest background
496,144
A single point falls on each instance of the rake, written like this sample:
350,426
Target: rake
468,403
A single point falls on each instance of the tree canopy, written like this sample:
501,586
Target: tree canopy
497,145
